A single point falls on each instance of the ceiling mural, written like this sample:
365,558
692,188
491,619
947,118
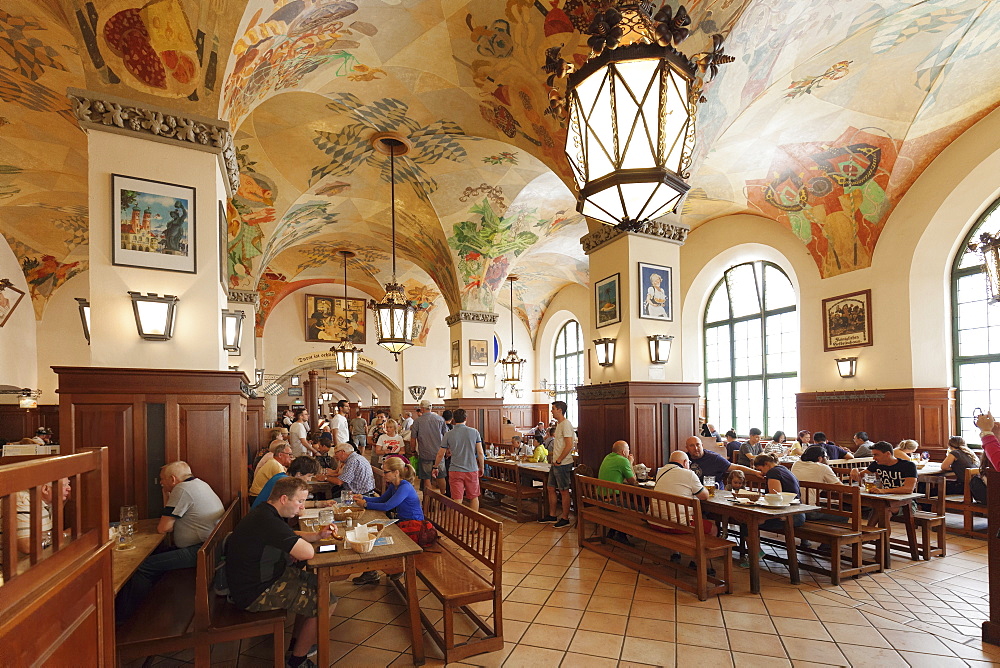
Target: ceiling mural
828,115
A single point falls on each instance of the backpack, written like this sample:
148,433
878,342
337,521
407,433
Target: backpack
977,488
421,532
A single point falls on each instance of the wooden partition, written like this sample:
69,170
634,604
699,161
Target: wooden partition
17,423
150,417
484,414
925,414
56,603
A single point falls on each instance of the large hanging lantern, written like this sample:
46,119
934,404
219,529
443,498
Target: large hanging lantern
631,111
512,364
346,354
394,315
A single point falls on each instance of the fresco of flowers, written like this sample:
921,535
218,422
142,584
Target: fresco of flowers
423,298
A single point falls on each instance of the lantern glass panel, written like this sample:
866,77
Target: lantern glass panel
153,317
595,103
636,107
675,118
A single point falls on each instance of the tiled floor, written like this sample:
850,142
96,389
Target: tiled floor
564,607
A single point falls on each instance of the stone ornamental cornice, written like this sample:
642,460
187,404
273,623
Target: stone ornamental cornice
472,316
601,392
244,297
97,111
674,233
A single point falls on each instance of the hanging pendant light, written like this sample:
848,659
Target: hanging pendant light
394,315
346,353
512,364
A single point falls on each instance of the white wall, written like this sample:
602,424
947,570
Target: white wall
60,335
17,337
522,342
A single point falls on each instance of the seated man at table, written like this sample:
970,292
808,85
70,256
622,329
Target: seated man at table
617,467
732,445
191,509
264,564
895,476
355,473
833,451
704,462
862,444
677,478
282,458
750,449
305,468
23,500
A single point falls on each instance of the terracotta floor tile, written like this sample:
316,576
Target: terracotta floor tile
576,586
392,638
870,657
800,628
653,652
855,635
703,616
931,660
780,608
528,595
654,595
597,644
614,606
757,661
840,615
604,622
814,650
355,631
538,582
363,657
491,659
619,577
713,637
744,621
513,630
526,656
650,610
551,637
651,629
689,656
563,599
916,642
752,604
548,570
572,660
522,612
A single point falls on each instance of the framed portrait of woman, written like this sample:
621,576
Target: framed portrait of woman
655,284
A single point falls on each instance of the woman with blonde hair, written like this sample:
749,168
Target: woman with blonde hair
905,449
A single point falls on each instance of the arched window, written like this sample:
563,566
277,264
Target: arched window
976,330
567,366
752,350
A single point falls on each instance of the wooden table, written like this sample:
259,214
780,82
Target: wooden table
883,507
395,558
753,516
125,562
535,471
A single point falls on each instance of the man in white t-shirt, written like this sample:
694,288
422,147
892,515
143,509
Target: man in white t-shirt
561,473
677,478
298,435
338,424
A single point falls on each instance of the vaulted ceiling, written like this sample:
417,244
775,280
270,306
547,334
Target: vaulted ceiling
825,119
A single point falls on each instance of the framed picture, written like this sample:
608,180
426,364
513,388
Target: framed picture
154,226
478,353
10,297
847,321
608,294
654,292
328,318
294,392
456,354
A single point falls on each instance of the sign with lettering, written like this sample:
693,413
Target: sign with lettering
329,356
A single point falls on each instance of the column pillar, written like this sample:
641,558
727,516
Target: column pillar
312,397
483,407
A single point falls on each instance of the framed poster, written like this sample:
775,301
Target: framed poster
10,297
328,318
654,292
608,300
294,392
154,224
847,321
456,354
478,353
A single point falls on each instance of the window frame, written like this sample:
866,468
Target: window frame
563,390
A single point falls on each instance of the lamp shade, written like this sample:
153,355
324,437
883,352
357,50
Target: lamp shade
155,316
479,380
847,366
453,380
84,306
394,318
605,351
440,392
232,329
346,355
258,377
327,396
659,348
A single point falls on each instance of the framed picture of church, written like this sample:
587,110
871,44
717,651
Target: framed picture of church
847,321
329,319
153,224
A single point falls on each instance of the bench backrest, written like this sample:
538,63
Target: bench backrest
502,472
967,492
680,514
379,475
479,535
209,556
841,500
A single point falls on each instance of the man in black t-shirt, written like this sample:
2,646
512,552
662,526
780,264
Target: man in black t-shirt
261,569
895,476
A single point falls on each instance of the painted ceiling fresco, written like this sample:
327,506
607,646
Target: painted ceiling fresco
825,119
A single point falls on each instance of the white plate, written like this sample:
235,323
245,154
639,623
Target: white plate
795,502
762,502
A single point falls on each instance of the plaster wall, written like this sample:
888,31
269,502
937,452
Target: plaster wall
17,337
60,335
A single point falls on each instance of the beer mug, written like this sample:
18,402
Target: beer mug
710,485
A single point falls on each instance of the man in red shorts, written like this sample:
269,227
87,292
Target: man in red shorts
467,460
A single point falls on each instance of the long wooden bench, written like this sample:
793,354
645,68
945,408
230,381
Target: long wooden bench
182,611
624,509
505,480
464,568
965,505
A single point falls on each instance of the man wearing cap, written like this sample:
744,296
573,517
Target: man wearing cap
43,436
427,431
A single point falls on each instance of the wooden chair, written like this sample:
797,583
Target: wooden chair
932,519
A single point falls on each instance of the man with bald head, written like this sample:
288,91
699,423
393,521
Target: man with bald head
617,468
677,478
705,463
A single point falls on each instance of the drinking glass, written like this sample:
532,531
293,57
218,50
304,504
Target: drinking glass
869,481
326,517
710,484
346,498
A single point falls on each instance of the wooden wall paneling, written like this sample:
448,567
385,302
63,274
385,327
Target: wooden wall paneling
683,425
254,426
492,433
102,422
645,429
540,413
203,432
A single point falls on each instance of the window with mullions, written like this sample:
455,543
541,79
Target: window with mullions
975,331
752,350
567,366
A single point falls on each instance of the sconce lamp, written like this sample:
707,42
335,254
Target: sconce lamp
479,380
605,351
847,366
374,400
85,316
28,398
154,315
295,381
440,392
659,348
232,328
453,380
258,378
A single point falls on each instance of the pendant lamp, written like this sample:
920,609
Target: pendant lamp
346,353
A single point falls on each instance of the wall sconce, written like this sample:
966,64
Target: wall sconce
234,367
374,400
659,348
232,329
258,378
28,398
605,351
85,316
294,381
479,380
154,315
847,366
453,380
440,392
417,391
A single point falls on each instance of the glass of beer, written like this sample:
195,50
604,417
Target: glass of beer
710,485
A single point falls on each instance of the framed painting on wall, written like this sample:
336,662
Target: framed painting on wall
456,354
608,300
654,292
329,318
847,321
154,224
10,297
478,353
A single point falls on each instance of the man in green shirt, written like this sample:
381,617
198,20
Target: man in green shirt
617,468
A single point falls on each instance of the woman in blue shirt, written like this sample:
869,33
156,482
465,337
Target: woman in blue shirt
400,496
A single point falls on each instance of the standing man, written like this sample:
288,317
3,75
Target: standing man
750,449
359,432
408,416
287,418
467,460
263,557
298,435
338,424
561,473
428,431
